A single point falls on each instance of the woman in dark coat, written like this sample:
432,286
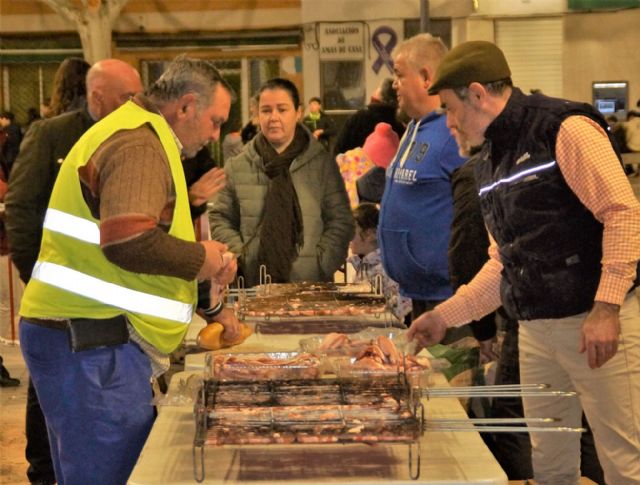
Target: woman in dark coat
383,108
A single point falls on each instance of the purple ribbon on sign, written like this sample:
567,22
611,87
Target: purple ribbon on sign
384,50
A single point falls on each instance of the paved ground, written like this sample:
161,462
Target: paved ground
12,409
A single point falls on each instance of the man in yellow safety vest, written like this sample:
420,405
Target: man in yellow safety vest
114,287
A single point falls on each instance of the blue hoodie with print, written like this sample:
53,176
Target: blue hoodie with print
417,208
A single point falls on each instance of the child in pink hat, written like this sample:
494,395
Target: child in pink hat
378,150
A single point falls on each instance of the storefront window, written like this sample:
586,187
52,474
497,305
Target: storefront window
260,71
342,85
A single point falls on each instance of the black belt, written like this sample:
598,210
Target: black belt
44,322
89,333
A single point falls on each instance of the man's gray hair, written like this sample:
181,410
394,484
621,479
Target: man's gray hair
422,49
495,88
188,75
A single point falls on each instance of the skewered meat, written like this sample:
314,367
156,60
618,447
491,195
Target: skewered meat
369,363
334,340
341,344
301,326
388,348
357,411
377,354
310,300
414,363
306,424
262,367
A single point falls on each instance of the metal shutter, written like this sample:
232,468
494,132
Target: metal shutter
533,48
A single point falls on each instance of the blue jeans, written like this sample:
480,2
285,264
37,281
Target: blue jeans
97,404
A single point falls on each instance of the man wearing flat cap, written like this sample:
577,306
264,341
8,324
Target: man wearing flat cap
565,245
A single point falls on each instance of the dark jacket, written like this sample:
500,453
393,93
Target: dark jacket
46,144
248,132
4,241
550,243
194,168
370,186
469,241
324,123
361,124
11,145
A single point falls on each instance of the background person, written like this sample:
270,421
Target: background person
285,204
377,152
252,127
69,86
417,205
366,261
319,124
10,139
5,378
33,115
45,108
566,227
382,108
232,144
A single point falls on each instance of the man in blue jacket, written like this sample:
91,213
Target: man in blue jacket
417,206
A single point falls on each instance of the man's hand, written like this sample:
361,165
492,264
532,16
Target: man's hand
206,186
600,332
317,133
428,329
232,329
213,261
486,351
229,270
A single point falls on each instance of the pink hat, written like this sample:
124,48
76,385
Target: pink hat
381,145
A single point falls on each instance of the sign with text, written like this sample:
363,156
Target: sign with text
341,41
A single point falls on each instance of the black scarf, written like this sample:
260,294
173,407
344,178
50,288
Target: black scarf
281,228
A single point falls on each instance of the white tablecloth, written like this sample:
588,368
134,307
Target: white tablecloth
446,457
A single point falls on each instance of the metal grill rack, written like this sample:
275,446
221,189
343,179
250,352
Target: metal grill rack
386,409
282,301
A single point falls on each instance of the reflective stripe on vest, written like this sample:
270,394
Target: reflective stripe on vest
95,288
111,294
74,278
516,176
72,226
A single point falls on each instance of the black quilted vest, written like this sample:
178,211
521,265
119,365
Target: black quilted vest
550,244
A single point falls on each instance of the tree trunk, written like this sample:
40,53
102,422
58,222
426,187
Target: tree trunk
95,35
93,19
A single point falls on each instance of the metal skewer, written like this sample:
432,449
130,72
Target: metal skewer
433,392
506,387
504,429
483,421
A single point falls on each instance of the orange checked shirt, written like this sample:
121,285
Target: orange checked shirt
592,170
